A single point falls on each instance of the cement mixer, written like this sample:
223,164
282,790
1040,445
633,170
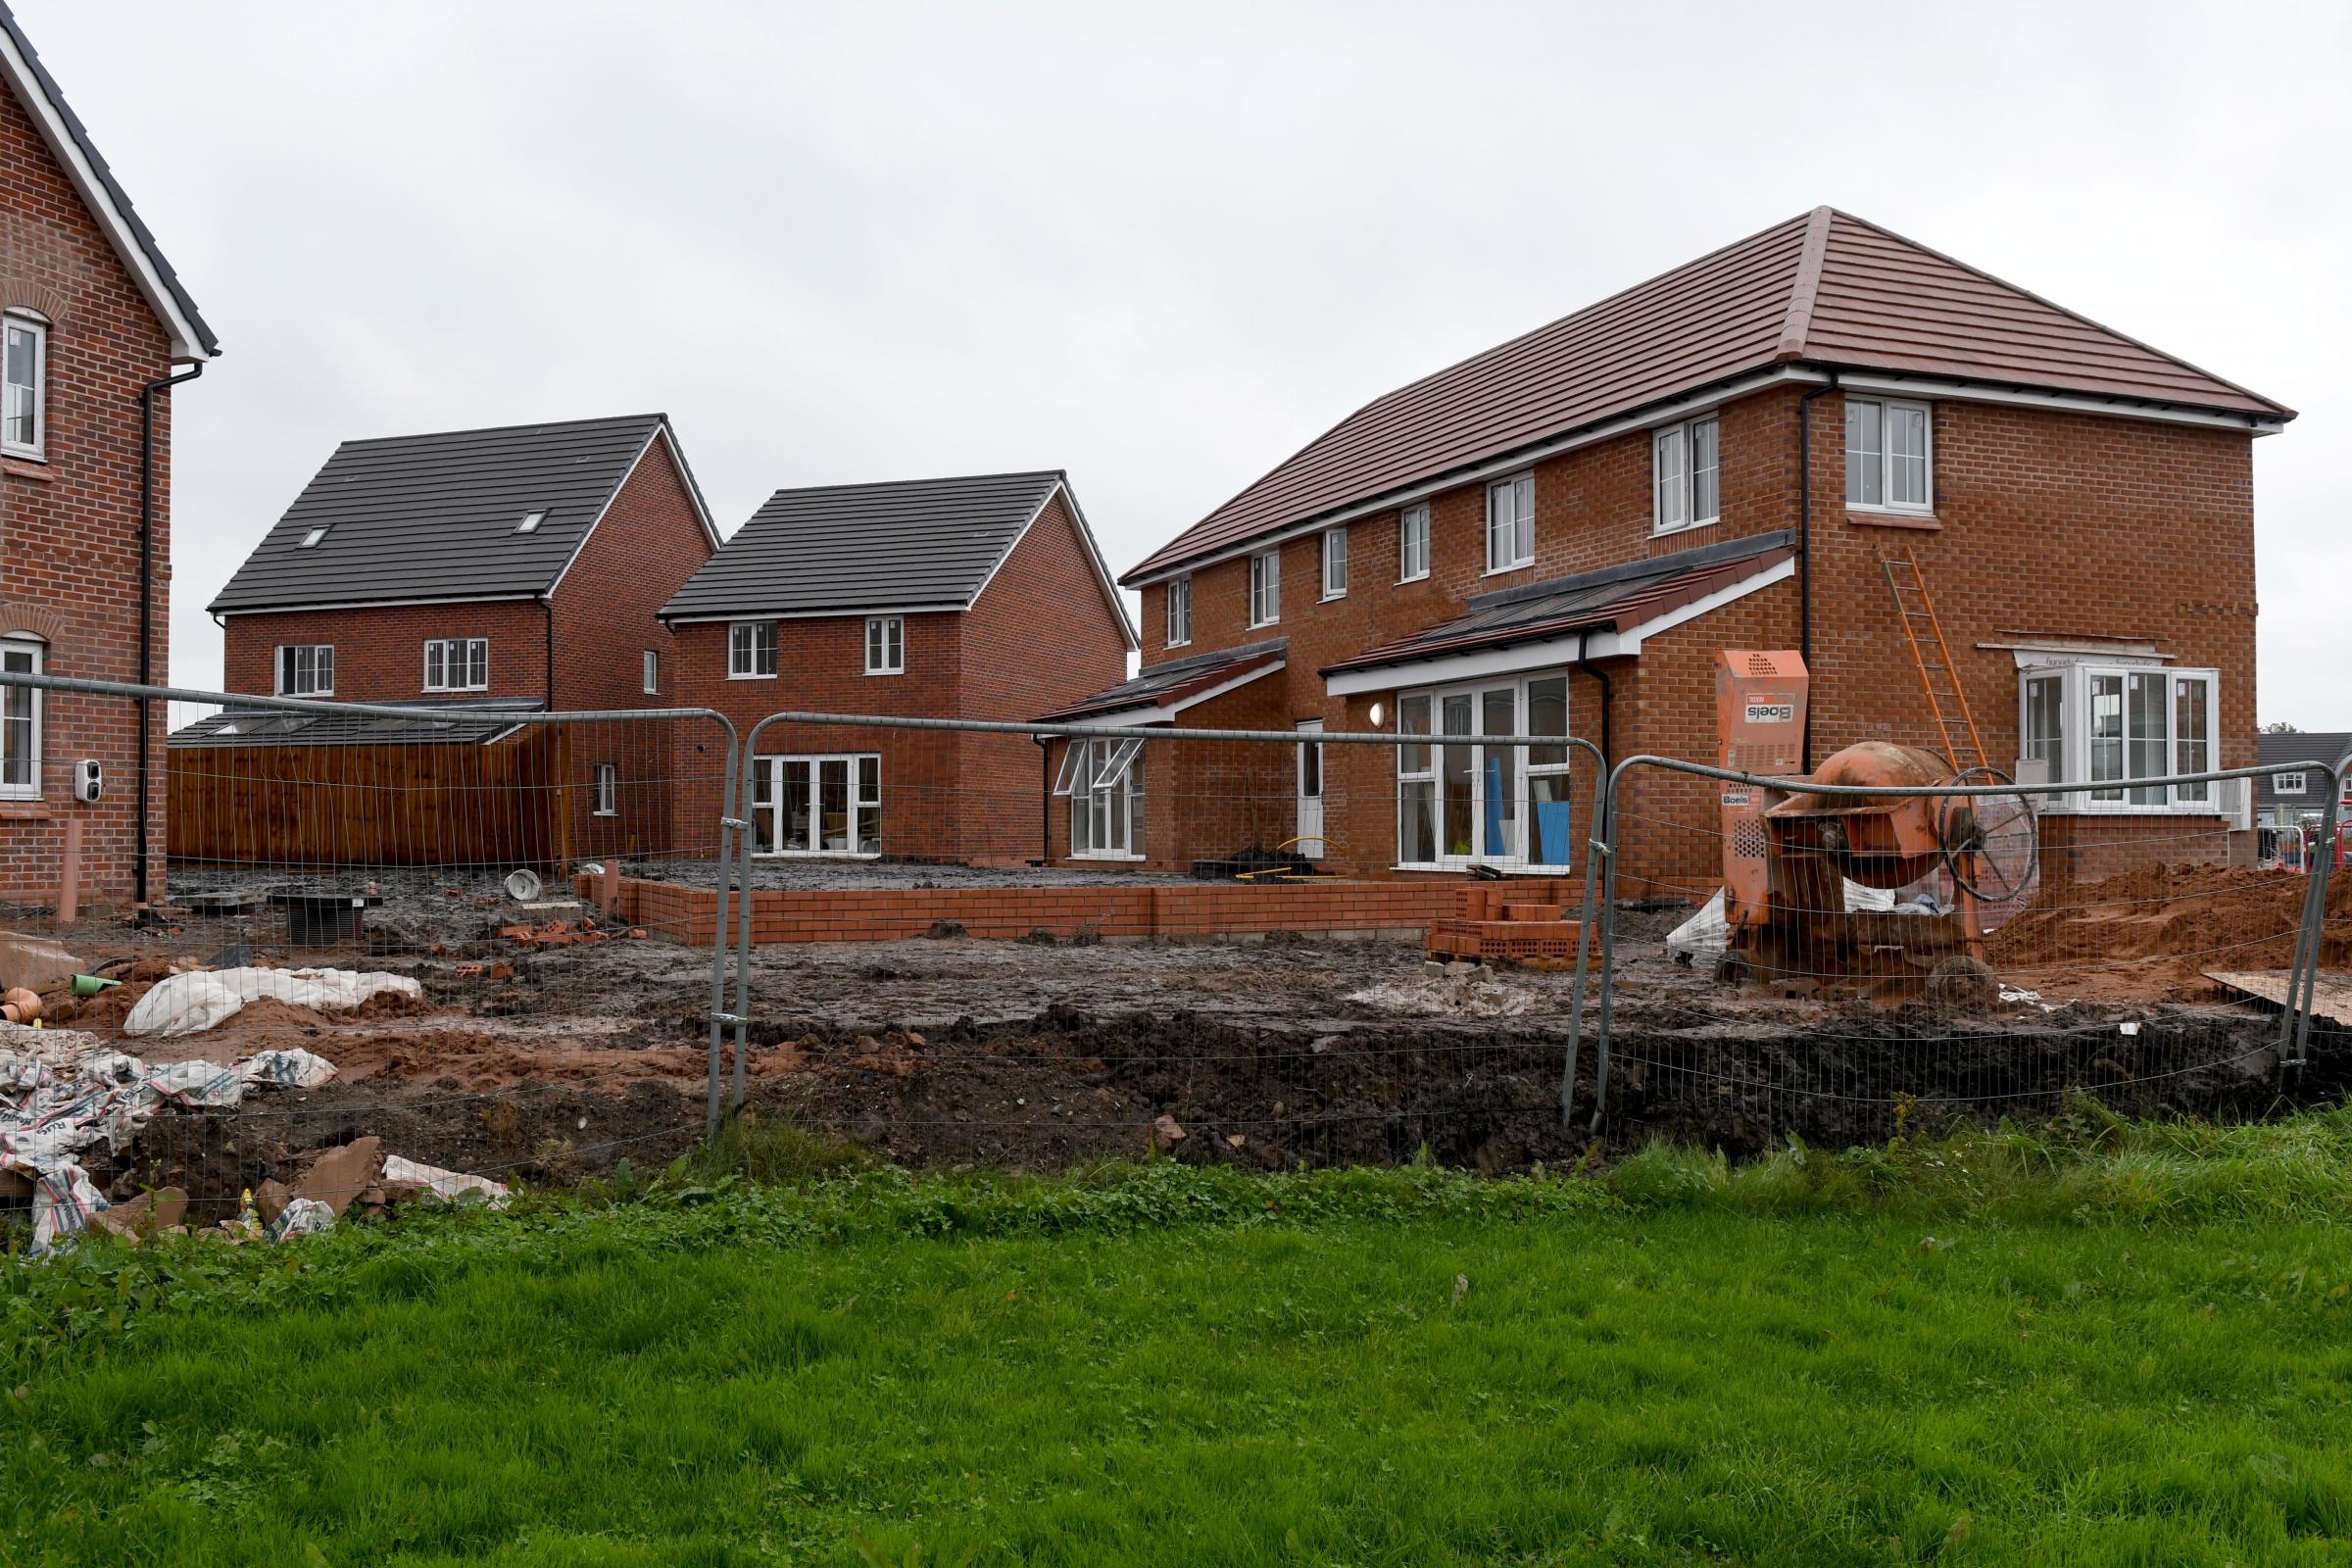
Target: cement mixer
1790,854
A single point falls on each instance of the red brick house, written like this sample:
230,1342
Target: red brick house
518,567
94,322
1556,536
924,599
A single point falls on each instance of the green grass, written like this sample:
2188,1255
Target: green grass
2093,1344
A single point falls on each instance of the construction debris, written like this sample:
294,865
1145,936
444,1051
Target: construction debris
192,1001
449,1184
564,933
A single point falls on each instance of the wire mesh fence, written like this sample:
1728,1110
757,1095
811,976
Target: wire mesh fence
1938,946
559,913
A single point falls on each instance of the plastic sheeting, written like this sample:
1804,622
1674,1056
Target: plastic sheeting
189,1003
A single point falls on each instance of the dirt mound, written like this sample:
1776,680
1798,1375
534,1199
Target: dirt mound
2170,923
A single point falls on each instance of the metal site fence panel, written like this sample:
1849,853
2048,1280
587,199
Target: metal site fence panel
441,842
1885,950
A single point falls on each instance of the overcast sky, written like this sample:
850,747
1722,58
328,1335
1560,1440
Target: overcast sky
1159,250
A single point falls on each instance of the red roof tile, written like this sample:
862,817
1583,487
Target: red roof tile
1826,288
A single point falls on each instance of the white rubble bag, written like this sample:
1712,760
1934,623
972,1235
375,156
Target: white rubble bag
1700,940
188,1003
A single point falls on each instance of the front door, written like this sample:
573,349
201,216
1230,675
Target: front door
1310,789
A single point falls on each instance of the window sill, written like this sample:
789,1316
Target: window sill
21,468
25,810
1187,643
817,855
732,675
1504,571
1656,532
886,672
1329,599
1104,856
1262,626
603,813
1458,868
1926,521
1418,577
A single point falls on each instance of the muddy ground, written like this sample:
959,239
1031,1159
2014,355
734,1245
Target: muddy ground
555,1063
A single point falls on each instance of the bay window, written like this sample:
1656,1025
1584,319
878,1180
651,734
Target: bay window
2104,725
1104,781
817,805
1461,801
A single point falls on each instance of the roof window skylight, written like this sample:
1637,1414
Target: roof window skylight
311,538
531,522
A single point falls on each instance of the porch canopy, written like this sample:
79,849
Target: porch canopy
1165,689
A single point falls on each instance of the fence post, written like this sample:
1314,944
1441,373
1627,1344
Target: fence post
2302,979
1598,849
718,937
743,928
1609,955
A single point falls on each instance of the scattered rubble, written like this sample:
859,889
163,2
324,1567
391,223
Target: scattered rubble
565,933
1469,994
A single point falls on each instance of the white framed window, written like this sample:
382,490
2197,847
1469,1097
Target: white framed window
1412,543
1889,463
2104,725
884,645
752,650
1265,588
824,806
1105,782
1335,563
1180,612
607,789
1685,475
652,672
2291,783
306,670
25,406
1463,802
20,721
456,665
1511,523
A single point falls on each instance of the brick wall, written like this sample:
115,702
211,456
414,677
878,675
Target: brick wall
379,652
70,525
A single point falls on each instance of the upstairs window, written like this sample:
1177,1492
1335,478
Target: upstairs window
21,723
1335,563
752,650
309,540
1887,458
531,522
1180,612
1265,588
886,644
1412,544
652,673
25,409
1683,472
306,670
1511,523
456,665
2290,783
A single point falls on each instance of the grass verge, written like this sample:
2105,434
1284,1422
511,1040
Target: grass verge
2088,1343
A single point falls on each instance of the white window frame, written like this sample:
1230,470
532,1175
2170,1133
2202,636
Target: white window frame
1511,523
886,644
1103,780
1335,563
2072,758
607,789
1518,856
2294,781
35,450
1884,457
1180,610
1412,541
1678,500
457,653
767,796
650,670
322,655
1265,588
38,664
747,641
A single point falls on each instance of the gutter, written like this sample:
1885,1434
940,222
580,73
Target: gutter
144,828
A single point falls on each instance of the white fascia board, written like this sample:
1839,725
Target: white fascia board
854,613
1656,413
1548,652
694,491
1917,386
185,343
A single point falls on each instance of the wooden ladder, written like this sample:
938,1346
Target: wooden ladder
1933,657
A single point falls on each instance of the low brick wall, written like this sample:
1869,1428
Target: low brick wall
1112,910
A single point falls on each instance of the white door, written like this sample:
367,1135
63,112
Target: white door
1310,789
